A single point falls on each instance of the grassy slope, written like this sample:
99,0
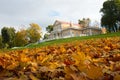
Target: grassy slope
68,40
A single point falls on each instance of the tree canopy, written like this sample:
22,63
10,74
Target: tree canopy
1,44
8,35
84,22
46,36
34,32
111,15
21,38
11,38
49,28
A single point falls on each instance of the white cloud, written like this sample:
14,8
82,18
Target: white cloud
45,12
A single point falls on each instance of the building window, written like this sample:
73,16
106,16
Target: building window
72,33
54,35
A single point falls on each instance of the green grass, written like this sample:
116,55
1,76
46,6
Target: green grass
68,40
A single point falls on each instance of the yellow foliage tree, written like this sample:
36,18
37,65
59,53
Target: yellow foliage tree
34,32
21,38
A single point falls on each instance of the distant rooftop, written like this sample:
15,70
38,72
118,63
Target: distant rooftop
64,22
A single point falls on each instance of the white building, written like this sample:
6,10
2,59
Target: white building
63,29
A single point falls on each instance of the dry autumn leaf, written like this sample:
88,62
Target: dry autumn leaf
95,59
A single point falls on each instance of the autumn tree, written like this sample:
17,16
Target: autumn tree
49,28
34,32
21,38
8,35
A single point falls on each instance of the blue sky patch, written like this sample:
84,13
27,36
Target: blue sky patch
53,13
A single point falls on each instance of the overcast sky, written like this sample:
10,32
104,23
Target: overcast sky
20,13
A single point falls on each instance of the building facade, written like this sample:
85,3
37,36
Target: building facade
63,29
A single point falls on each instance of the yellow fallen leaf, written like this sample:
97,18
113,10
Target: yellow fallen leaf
32,77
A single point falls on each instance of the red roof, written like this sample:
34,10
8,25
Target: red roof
63,22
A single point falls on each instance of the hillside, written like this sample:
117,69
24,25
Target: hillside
82,58
67,40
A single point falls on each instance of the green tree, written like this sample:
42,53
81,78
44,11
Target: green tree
8,35
110,15
117,3
46,36
34,32
81,22
84,22
1,44
49,28
21,38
